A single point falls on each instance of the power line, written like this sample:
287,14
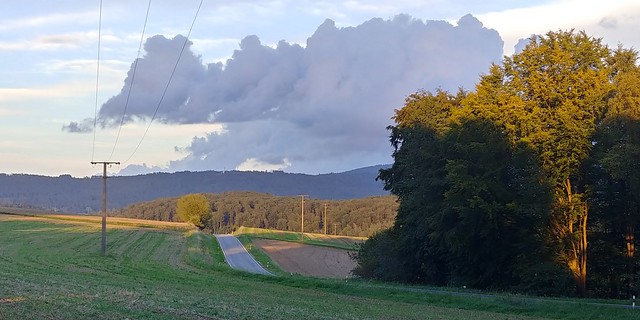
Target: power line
133,76
95,114
166,88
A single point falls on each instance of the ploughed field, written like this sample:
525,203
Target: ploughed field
308,260
320,255
51,268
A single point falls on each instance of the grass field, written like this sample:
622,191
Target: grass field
340,242
52,269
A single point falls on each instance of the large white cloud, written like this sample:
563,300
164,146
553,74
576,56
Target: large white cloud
318,108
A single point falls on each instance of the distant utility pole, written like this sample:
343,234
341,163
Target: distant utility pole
104,201
324,222
334,229
302,216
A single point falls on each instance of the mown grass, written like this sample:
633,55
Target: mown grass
340,242
136,223
53,270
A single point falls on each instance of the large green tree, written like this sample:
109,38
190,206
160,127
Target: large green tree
566,103
551,97
195,209
471,204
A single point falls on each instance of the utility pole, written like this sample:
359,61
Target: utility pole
324,222
334,229
302,216
104,201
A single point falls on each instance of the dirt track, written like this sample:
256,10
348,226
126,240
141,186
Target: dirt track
308,260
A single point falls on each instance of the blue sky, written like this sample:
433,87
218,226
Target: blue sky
317,102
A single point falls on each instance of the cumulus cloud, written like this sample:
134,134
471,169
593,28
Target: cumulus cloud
253,164
608,22
136,169
315,108
522,44
83,126
148,89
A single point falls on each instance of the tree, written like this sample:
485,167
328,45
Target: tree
552,96
471,210
495,205
377,258
195,209
615,176
471,204
469,169
366,216
426,109
615,195
417,178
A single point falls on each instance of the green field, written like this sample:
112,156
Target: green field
52,269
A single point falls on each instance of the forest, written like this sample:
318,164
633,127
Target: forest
84,195
528,183
356,217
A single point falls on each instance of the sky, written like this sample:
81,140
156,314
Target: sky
292,85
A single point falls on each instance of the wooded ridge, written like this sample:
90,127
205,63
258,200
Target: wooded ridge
84,195
355,217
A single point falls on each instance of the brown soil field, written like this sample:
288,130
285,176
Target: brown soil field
307,259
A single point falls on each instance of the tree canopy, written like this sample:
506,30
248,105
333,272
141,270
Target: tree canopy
230,210
195,209
497,186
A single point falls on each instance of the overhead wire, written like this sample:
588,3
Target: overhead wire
133,76
166,88
95,114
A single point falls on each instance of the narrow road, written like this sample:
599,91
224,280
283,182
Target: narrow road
237,256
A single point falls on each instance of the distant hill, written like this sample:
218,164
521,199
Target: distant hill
69,194
231,210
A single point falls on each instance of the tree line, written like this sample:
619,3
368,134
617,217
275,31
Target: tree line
84,195
530,182
356,217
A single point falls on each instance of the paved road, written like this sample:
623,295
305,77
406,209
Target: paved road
237,256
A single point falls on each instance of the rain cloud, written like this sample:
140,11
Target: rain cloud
322,107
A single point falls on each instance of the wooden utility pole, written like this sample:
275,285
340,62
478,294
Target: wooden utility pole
302,216
324,222
104,201
335,225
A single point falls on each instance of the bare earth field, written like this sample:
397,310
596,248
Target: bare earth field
307,259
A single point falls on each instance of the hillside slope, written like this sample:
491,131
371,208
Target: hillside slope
231,210
69,194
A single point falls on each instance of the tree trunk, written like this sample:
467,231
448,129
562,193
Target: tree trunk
584,215
630,242
573,229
